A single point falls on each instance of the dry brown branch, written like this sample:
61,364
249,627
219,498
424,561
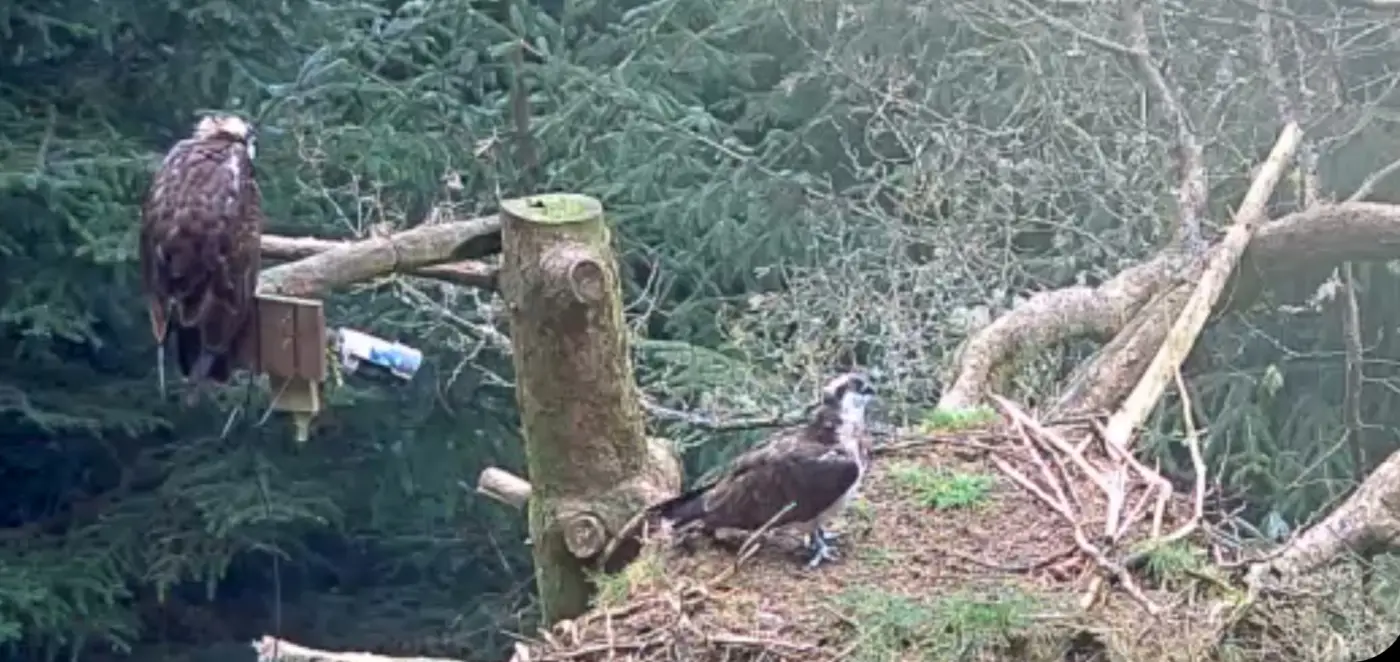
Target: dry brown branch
1182,336
325,265
1115,526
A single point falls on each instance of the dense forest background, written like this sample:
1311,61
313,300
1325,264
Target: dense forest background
794,187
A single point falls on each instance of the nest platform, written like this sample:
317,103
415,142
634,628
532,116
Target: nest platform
1007,542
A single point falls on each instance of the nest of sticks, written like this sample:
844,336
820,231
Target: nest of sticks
1014,541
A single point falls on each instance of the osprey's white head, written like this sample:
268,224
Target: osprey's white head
228,127
851,393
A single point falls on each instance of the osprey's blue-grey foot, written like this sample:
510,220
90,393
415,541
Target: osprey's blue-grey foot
828,536
821,549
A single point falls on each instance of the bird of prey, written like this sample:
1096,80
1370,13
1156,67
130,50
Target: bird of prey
813,471
201,225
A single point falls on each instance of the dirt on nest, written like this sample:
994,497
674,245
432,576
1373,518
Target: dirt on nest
948,555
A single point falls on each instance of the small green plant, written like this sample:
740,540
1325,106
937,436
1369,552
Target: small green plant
1173,561
953,420
861,509
976,622
948,628
613,590
937,488
886,624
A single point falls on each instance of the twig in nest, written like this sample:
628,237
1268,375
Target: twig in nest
1125,578
1114,570
1050,477
741,640
1198,463
638,519
1153,478
1049,436
749,548
1029,486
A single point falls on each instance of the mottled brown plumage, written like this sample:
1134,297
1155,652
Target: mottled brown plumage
816,468
201,226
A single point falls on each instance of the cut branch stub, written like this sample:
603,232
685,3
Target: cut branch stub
579,407
584,535
580,270
503,486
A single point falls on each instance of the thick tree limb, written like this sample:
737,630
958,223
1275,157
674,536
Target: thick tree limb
1367,523
1324,235
585,442
1182,336
470,273
325,265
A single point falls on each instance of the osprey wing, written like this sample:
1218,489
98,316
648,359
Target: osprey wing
200,234
791,469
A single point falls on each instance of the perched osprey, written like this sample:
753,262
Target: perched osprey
201,225
816,468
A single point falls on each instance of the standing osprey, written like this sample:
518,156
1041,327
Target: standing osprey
201,226
813,471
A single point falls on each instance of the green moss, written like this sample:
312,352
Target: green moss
941,489
555,208
954,420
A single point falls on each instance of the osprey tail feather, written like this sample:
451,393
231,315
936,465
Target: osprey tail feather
683,509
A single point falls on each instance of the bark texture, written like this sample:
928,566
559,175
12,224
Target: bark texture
1145,299
322,265
585,444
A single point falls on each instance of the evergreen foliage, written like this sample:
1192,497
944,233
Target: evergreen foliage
794,185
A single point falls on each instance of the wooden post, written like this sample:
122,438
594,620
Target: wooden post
589,465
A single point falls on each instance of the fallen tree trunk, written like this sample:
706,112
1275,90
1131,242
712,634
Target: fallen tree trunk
1325,235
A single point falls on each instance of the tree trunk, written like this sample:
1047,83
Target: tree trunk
584,439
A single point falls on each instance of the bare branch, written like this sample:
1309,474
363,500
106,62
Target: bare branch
1188,326
470,273
272,649
1192,189
718,424
1189,156
334,264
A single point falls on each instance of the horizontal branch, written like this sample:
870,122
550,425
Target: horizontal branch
504,486
322,265
272,649
469,273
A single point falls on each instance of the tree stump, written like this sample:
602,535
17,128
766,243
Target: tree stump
585,442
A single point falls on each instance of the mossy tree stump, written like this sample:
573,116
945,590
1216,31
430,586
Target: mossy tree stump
585,443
